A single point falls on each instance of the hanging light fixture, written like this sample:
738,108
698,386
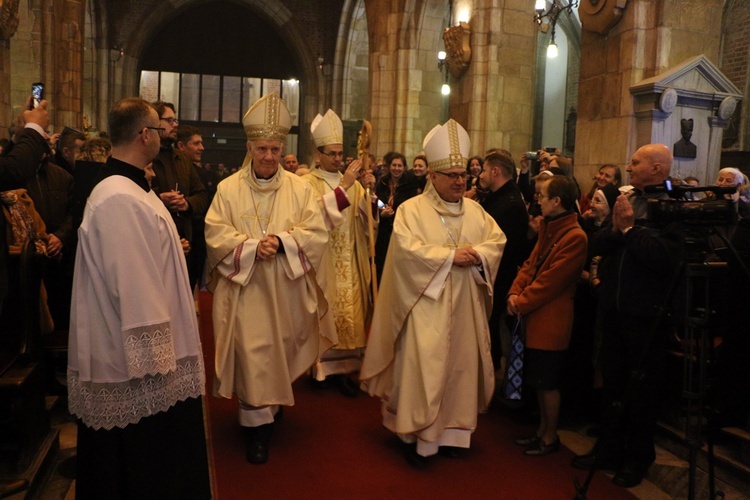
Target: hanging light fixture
544,19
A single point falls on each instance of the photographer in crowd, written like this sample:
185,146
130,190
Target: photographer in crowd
638,265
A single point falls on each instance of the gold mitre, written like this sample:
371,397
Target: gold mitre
327,129
267,119
447,146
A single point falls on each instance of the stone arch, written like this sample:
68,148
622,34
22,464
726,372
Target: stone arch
351,69
275,13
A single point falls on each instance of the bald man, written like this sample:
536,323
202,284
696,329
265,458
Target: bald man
638,264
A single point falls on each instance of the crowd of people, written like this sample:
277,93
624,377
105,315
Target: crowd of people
424,286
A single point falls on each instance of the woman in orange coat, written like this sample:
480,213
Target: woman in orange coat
543,294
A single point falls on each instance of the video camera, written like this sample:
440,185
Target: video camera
719,211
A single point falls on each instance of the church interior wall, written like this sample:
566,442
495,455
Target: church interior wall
384,66
652,36
735,56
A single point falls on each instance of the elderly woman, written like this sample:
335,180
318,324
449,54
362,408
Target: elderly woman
542,294
729,177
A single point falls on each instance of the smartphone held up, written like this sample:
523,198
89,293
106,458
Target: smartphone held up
37,94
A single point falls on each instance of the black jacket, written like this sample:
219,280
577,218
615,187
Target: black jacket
507,207
174,169
18,164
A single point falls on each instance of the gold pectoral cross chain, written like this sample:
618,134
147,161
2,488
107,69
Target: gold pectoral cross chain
257,218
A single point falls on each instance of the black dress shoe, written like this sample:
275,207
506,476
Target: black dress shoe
627,477
258,441
413,458
542,448
530,441
592,461
256,453
449,452
347,386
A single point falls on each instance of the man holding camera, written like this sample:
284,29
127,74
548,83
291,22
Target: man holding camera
638,265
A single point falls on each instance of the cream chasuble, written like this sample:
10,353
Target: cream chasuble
265,312
428,355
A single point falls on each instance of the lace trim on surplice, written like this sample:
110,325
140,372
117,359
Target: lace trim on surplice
149,350
105,405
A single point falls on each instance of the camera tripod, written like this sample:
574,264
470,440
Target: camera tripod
698,350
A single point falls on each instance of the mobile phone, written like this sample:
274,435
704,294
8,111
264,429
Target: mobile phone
37,94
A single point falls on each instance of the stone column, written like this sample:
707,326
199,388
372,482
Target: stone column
405,100
494,99
49,48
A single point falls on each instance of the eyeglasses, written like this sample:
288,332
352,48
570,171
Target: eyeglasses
334,154
454,176
170,120
158,129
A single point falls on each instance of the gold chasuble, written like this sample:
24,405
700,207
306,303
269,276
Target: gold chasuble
428,355
345,269
266,312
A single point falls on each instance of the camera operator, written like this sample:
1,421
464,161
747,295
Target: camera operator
638,265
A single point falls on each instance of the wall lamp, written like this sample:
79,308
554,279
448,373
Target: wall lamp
551,15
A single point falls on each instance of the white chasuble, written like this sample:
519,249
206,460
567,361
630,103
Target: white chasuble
265,312
428,356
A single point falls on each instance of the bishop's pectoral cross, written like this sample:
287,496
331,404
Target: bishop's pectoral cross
257,221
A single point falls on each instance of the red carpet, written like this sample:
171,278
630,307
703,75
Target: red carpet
331,446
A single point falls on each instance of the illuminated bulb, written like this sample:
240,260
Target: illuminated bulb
446,89
441,55
463,16
552,50
540,5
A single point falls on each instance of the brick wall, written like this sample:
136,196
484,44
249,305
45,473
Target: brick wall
735,56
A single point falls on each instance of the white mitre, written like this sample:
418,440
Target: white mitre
267,119
327,129
447,146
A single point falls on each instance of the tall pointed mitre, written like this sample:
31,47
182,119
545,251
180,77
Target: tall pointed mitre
327,129
267,119
447,146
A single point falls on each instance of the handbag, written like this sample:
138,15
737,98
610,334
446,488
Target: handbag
513,384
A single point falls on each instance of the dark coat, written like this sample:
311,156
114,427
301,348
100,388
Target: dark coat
174,169
408,187
507,207
17,165
52,191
